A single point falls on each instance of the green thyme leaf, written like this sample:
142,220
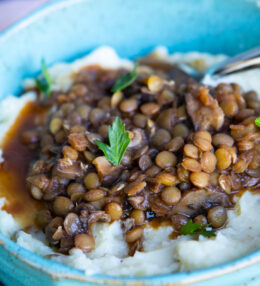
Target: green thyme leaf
189,228
125,80
195,228
207,233
118,140
44,81
257,121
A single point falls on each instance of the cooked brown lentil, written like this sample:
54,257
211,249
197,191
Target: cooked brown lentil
192,148
85,242
191,165
208,162
175,144
217,216
201,219
150,108
199,179
114,210
191,151
223,158
94,195
178,221
134,234
165,159
62,205
202,139
222,139
138,216
91,180
70,153
154,83
171,195
128,105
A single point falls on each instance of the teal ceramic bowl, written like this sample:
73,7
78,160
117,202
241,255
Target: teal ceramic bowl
65,30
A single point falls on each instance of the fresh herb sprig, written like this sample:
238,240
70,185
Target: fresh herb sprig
44,81
125,80
257,121
195,228
118,142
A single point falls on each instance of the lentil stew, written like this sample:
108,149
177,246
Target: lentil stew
192,149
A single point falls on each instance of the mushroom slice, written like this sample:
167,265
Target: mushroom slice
106,171
40,181
158,206
72,224
51,228
136,202
195,201
98,216
138,140
204,117
68,169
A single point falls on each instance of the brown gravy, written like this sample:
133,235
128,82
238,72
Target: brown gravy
157,222
14,169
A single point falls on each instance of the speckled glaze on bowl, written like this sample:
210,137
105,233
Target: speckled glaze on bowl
65,30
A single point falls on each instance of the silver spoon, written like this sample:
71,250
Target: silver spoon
244,61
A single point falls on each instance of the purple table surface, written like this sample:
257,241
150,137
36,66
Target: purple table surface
13,10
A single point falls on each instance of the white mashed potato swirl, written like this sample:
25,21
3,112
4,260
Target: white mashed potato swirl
160,253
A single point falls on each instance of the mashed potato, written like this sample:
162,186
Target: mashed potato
160,253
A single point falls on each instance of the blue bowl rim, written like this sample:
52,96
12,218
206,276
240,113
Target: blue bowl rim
58,270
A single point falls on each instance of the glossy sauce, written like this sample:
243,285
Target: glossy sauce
157,222
14,169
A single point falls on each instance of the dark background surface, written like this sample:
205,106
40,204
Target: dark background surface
13,10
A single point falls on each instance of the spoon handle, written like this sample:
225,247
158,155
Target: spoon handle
244,61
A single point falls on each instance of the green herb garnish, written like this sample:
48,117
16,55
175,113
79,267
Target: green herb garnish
44,81
125,80
118,140
195,228
257,121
